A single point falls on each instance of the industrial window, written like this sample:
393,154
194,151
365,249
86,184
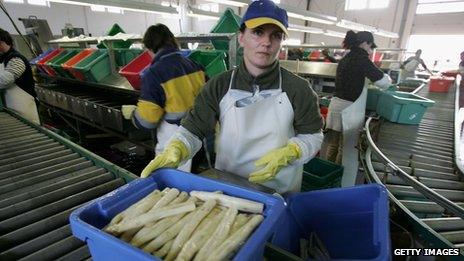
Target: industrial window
434,7
365,4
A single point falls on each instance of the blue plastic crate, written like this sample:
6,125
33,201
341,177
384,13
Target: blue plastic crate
351,222
38,58
87,221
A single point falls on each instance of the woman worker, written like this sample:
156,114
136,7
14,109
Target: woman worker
269,118
347,108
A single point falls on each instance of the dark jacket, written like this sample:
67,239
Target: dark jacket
25,81
351,73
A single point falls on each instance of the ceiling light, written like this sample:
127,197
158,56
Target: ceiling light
305,29
309,16
334,33
203,14
238,3
124,5
355,26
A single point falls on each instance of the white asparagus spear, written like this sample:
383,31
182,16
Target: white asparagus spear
152,216
189,227
229,201
162,252
218,236
144,204
168,234
201,234
154,229
232,242
166,199
240,220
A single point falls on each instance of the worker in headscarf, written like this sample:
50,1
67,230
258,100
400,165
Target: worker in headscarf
347,108
169,87
269,120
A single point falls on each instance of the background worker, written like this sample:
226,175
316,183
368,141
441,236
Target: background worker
169,87
347,108
269,120
409,66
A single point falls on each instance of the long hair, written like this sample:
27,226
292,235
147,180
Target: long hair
350,40
159,36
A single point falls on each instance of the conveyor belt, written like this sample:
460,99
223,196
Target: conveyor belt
42,181
426,152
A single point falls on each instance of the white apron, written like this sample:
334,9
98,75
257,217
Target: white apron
348,117
409,69
247,133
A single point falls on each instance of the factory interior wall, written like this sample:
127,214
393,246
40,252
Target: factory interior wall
95,23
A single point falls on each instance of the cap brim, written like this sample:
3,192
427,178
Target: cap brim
255,22
373,46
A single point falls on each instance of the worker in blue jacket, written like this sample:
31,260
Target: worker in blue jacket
169,87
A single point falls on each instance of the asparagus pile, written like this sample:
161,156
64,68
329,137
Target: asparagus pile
175,226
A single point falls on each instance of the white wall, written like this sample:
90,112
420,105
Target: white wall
451,23
96,23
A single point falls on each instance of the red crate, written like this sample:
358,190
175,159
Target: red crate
69,65
132,71
453,73
324,110
440,84
42,63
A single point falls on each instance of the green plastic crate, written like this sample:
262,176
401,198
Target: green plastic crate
213,61
403,107
373,94
95,67
114,30
125,56
320,174
56,63
228,23
324,101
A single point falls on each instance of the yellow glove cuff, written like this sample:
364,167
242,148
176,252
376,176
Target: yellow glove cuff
295,150
177,144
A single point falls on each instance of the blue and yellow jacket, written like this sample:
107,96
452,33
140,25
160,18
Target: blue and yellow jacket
169,88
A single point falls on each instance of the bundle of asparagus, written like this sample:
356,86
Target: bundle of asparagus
171,225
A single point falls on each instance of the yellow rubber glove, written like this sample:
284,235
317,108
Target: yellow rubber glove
127,111
173,154
273,161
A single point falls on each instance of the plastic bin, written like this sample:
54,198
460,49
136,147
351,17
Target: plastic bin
351,222
440,84
452,73
56,63
42,64
40,57
87,221
403,107
228,23
95,67
324,110
373,94
69,65
114,30
319,174
212,61
132,71
125,56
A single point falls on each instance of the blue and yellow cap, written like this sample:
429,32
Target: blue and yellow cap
265,12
